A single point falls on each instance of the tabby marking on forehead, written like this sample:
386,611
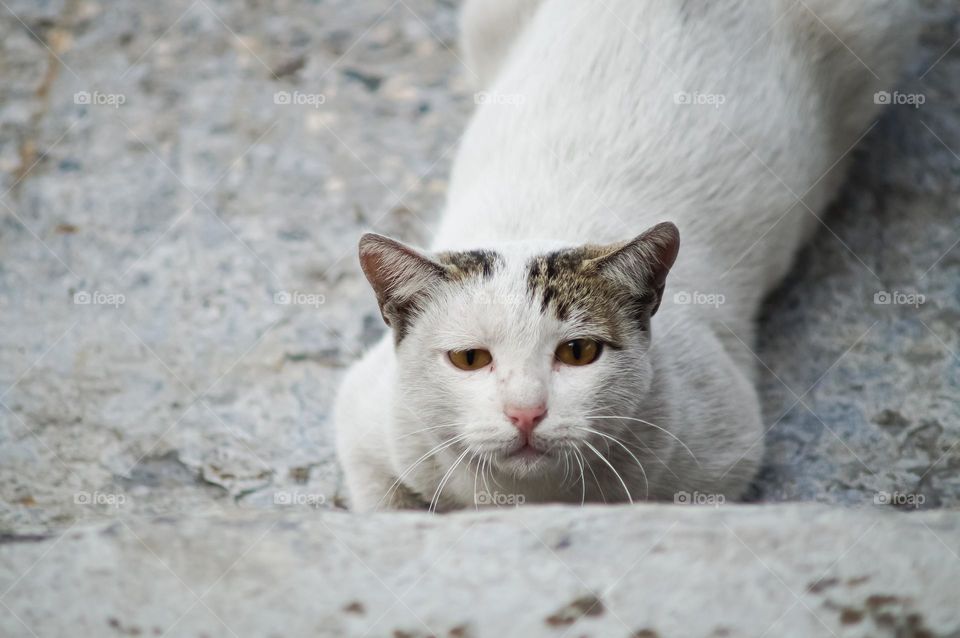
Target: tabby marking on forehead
569,281
469,263
560,278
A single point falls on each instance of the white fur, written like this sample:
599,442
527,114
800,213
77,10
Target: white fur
582,141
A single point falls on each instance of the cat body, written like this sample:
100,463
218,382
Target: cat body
599,121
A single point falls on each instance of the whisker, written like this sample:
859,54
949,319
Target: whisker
646,448
566,468
437,448
493,477
653,425
433,427
646,482
595,479
435,501
583,480
476,477
486,470
613,469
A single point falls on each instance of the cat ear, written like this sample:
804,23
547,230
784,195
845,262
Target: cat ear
643,263
399,275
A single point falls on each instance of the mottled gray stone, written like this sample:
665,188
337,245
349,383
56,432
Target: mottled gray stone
200,198
652,570
880,384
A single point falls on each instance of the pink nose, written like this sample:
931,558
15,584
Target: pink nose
525,419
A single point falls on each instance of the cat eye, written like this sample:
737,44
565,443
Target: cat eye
579,352
470,359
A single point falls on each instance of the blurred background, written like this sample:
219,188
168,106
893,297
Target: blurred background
182,185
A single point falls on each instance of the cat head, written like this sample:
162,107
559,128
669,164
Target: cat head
508,351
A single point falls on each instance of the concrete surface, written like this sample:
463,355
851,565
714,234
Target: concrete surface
632,572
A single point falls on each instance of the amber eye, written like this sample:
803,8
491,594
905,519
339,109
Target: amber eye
470,359
579,352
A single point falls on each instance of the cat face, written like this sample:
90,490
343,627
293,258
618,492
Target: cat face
509,354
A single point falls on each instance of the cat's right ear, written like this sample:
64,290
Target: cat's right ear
399,276
644,262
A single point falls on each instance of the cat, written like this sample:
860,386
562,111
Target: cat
639,174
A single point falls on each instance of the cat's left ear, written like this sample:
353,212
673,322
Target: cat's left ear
643,263
400,276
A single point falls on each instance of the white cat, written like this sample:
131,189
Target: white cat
534,354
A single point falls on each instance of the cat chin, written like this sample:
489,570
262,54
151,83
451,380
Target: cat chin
526,465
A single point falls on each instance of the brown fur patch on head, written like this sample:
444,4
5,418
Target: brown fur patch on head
613,288
565,282
469,263
562,278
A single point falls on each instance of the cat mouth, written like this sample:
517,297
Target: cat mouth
527,452
526,460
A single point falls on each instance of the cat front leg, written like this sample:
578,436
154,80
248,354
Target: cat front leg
372,489
362,416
